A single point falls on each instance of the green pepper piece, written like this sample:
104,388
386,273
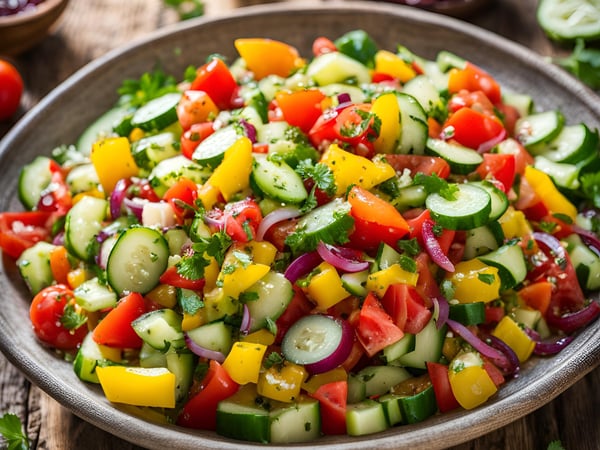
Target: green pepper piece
358,45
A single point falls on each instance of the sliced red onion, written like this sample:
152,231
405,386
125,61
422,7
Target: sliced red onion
135,205
551,242
344,98
302,265
275,216
249,130
343,258
246,320
339,355
59,239
491,143
117,196
552,348
202,351
499,358
570,323
589,238
433,247
441,306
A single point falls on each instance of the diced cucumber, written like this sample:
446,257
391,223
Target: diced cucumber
335,67
161,329
215,336
447,60
82,178
499,199
94,296
428,346
539,128
482,240
299,421
573,144
244,416
356,94
366,417
413,118
391,408
510,261
211,150
585,262
150,150
386,257
169,171
158,113
278,180
137,260
356,388
33,179
528,317
82,224
151,357
399,348
102,127
564,175
469,209
523,103
468,313
268,299
182,365
34,266
89,356
355,282
423,89
177,238
408,197
255,98
462,160
416,408
380,379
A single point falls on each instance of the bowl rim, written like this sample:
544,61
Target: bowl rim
41,10
121,423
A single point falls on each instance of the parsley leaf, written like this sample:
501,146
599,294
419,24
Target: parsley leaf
72,319
190,302
407,263
273,359
584,63
433,184
409,247
590,186
555,445
191,266
320,173
12,431
151,85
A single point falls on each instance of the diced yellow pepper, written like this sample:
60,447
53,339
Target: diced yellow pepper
136,134
211,274
316,381
91,193
514,224
471,386
267,56
141,386
325,287
515,337
262,252
282,383
349,169
191,321
244,362
241,277
77,276
474,281
552,198
110,353
262,336
379,281
208,195
387,109
218,305
112,160
391,64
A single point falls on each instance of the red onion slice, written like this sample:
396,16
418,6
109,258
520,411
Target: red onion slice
442,308
589,238
343,258
513,360
302,265
433,247
550,242
339,355
117,196
276,216
570,323
491,143
249,130
202,351
553,347
135,205
246,320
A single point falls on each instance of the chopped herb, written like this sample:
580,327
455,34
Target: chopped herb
547,227
192,266
186,9
486,278
190,73
151,85
273,359
590,186
248,296
190,301
584,63
12,431
409,247
407,263
72,319
243,258
271,326
433,184
555,445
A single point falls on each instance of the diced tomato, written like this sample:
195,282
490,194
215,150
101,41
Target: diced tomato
299,306
216,80
427,285
192,137
499,166
475,129
332,400
182,197
115,329
278,233
322,45
509,116
493,314
376,329
195,107
200,411
473,78
21,230
141,188
375,220
300,108
239,219
522,157
529,202
427,165
173,278
417,314
260,148
494,372
56,197
357,354
438,373
378,77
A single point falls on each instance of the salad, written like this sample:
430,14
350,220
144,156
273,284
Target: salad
284,247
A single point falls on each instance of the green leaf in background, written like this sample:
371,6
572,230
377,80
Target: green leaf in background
12,431
584,63
187,9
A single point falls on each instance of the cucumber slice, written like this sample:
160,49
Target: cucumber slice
468,313
416,408
573,144
278,180
299,421
33,179
482,240
169,171
498,198
215,336
414,125
366,417
211,150
82,224
462,160
82,178
380,379
336,67
158,113
408,197
399,348
510,261
428,346
447,60
538,128
89,356
91,295
523,103
161,329
564,175
34,266
244,416
150,150
311,339
102,127
271,296
137,260
355,282
469,209
585,262
569,19
182,365
423,89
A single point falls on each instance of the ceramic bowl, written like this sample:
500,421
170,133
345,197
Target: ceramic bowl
64,114
20,32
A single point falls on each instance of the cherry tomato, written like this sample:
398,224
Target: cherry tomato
47,317
322,45
375,328
195,107
216,80
11,89
192,137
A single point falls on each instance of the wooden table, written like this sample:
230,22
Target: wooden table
89,29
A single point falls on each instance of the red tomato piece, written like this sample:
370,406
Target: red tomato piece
427,284
56,197
375,328
192,137
438,373
21,230
475,129
473,78
200,411
427,165
46,313
195,107
493,371
115,329
240,219
333,400
499,166
300,108
182,197
173,278
493,314
405,306
216,80
11,89
322,45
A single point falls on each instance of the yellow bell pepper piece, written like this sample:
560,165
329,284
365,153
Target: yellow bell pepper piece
244,362
218,305
325,287
112,160
211,273
262,252
316,381
472,386
77,276
552,198
515,337
262,336
391,64
387,109
239,279
514,224
282,383
141,386
349,169
110,353
267,56
136,134
474,281
379,281
191,321
231,176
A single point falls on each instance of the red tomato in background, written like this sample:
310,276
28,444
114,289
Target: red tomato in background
11,89
216,80
499,166
195,107
322,45
46,312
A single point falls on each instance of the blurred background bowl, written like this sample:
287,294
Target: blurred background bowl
21,31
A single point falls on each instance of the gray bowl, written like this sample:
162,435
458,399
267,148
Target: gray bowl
64,114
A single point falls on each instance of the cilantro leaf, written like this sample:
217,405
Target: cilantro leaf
590,186
12,431
486,278
187,9
555,445
273,359
192,266
320,173
409,247
433,184
149,86
190,302
407,263
72,319
583,63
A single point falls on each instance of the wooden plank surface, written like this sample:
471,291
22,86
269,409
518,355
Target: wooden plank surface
90,28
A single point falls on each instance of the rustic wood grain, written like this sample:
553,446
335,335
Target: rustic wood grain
88,30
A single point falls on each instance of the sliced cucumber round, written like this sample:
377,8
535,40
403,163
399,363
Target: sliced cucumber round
570,19
157,113
499,199
278,180
274,293
336,67
573,144
137,260
539,128
462,160
33,179
311,339
82,224
469,209
211,150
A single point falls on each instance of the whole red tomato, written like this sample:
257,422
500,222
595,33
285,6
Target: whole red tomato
11,89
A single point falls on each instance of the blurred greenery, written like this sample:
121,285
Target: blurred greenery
186,9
